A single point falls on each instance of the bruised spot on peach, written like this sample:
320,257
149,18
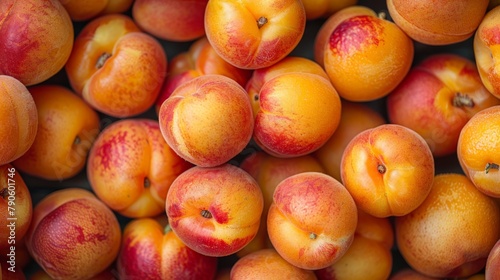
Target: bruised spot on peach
354,33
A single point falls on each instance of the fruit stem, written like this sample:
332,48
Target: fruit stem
382,15
381,169
77,140
462,100
147,183
4,192
261,21
206,214
313,235
102,59
167,229
491,165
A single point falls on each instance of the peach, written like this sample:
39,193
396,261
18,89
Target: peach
449,22
151,250
388,170
452,232
67,128
366,56
172,20
36,38
87,10
492,270
312,220
115,67
269,171
215,211
355,118
254,34
410,274
486,54
73,235
207,120
437,98
19,118
268,264
131,167
477,148
107,274
316,9
296,114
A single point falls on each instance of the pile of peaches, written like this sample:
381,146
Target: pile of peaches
229,139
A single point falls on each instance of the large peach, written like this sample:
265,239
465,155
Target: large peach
215,211
254,34
477,150
486,51
312,220
131,167
366,56
173,20
115,67
36,39
492,268
355,118
452,232
67,128
19,118
437,98
388,170
73,235
207,120
451,21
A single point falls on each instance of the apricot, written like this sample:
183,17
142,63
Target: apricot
477,150
36,37
452,232
19,118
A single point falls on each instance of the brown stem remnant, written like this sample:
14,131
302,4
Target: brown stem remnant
261,21
102,59
313,235
206,214
147,183
77,140
462,100
381,169
491,165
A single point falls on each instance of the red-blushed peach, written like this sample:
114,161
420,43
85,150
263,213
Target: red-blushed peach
388,170
297,114
486,54
19,118
207,120
477,150
130,167
269,171
355,118
312,220
367,56
215,211
492,268
268,264
36,36
172,20
450,22
437,98
67,128
369,254
73,234
151,250
254,34
115,67
452,232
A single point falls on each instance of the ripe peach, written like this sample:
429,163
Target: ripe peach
437,98
36,38
297,113
312,220
73,235
388,170
254,34
131,167
477,150
151,250
369,254
486,54
86,10
207,120
449,22
67,128
354,118
366,56
268,264
116,68
19,118
452,232
173,20
215,211
492,269
316,9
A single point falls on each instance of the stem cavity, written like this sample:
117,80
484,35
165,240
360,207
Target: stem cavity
491,165
261,21
381,169
102,59
463,100
206,214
